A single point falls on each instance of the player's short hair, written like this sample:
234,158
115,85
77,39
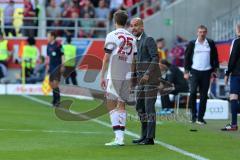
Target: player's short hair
53,34
202,27
69,39
121,17
31,41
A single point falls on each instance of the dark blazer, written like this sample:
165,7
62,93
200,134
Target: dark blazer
147,59
190,51
234,61
175,76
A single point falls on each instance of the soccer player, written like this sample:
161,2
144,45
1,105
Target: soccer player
120,48
55,66
233,73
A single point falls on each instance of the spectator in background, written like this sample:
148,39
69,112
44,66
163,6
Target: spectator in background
71,11
175,76
53,11
87,24
87,7
95,3
5,51
30,56
28,13
114,6
8,19
161,52
102,12
146,9
37,10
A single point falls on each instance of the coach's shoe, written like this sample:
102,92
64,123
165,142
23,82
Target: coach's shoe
115,142
147,141
230,127
56,104
137,141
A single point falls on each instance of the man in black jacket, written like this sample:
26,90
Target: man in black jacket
234,71
175,76
148,75
201,61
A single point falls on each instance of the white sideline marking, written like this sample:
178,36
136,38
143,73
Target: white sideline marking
163,144
47,131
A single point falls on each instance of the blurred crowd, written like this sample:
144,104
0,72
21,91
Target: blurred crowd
93,17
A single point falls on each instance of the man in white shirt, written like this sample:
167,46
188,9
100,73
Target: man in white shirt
120,48
201,62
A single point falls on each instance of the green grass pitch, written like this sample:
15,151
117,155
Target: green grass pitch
30,130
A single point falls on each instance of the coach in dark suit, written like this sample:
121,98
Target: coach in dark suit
201,61
148,74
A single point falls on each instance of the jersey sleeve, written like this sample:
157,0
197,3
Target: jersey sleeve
109,44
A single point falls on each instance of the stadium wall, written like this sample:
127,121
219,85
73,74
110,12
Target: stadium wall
182,18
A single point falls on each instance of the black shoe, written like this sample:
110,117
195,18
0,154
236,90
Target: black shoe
230,127
137,141
148,141
56,104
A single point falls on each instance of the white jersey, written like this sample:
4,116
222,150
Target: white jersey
121,45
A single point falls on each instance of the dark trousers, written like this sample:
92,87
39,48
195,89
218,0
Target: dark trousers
9,30
234,89
199,80
73,77
165,100
70,72
145,106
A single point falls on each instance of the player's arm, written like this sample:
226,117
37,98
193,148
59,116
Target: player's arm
104,70
109,47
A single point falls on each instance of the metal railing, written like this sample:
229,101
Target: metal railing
223,27
140,9
74,25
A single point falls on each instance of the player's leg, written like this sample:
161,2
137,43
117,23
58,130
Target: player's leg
54,83
74,77
112,101
123,96
234,102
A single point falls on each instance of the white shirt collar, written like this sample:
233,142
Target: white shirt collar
139,38
205,42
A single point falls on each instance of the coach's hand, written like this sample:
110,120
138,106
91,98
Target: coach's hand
186,76
144,79
103,83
